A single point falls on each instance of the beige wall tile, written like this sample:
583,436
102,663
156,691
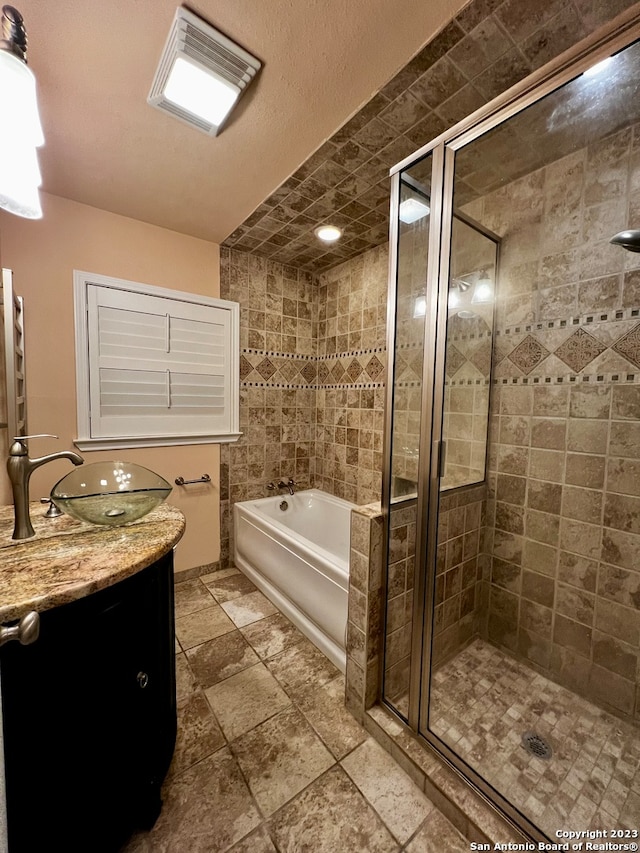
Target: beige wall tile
618,621
544,496
625,439
577,571
580,538
620,549
547,465
542,526
623,513
548,433
626,402
539,557
587,436
584,470
582,504
590,401
575,604
572,635
538,587
623,476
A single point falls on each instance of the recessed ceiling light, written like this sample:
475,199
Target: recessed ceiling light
411,210
201,74
328,233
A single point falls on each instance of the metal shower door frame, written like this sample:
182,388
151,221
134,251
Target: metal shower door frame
615,36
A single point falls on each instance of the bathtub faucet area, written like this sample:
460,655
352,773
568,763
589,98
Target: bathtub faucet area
290,485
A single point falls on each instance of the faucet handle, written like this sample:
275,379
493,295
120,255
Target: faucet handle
40,435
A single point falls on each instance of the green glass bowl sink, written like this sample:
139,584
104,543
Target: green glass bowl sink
109,493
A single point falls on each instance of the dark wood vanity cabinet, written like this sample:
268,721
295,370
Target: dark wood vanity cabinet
89,717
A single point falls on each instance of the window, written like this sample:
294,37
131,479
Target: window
153,366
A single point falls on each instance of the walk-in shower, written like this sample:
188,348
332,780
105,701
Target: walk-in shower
512,482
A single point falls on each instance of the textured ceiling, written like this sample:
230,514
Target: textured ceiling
95,61
487,48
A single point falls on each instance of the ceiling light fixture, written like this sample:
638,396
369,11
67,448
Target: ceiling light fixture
201,74
22,132
328,233
411,210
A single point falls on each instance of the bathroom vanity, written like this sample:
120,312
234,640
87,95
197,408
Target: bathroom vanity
89,712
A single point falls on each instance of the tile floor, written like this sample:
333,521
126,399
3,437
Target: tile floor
267,757
483,701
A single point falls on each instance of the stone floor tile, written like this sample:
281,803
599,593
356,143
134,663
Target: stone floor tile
191,596
438,835
280,758
249,608
196,628
207,809
257,842
233,586
324,708
213,577
198,733
246,699
272,635
185,679
220,658
395,797
331,816
301,668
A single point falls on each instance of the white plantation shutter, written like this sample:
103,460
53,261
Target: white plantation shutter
161,366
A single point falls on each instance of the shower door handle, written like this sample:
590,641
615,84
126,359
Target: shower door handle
442,458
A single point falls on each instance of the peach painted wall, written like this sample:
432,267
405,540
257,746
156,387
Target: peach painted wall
43,255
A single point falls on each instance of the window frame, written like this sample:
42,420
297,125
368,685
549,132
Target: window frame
85,370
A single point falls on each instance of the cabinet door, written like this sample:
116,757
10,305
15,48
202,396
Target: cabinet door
86,746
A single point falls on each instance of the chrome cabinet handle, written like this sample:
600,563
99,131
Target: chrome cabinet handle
143,679
26,631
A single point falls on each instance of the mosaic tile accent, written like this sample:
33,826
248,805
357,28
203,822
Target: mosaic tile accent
374,368
528,354
629,346
483,701
266,368
579,350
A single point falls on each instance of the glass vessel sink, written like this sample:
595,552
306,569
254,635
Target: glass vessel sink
111,493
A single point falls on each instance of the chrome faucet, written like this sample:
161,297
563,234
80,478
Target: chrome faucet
290,484
20,468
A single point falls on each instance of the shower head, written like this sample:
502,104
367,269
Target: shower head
629,240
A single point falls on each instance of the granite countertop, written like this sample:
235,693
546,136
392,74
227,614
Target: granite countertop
69,559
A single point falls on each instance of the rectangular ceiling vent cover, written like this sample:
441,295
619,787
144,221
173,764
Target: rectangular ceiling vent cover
210,65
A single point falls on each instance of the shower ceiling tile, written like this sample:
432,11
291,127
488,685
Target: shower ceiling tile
474,57
579,350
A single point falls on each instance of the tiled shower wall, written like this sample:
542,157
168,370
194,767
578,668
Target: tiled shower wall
563,528
312,367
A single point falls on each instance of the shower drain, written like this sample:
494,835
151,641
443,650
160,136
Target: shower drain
536,745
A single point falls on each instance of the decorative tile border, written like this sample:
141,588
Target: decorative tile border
363,369
600,378
607,345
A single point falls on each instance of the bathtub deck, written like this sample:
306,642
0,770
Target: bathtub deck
267,757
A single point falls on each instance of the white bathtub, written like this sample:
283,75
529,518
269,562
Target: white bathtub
299,558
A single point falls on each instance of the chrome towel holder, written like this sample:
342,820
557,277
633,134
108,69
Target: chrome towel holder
180,481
